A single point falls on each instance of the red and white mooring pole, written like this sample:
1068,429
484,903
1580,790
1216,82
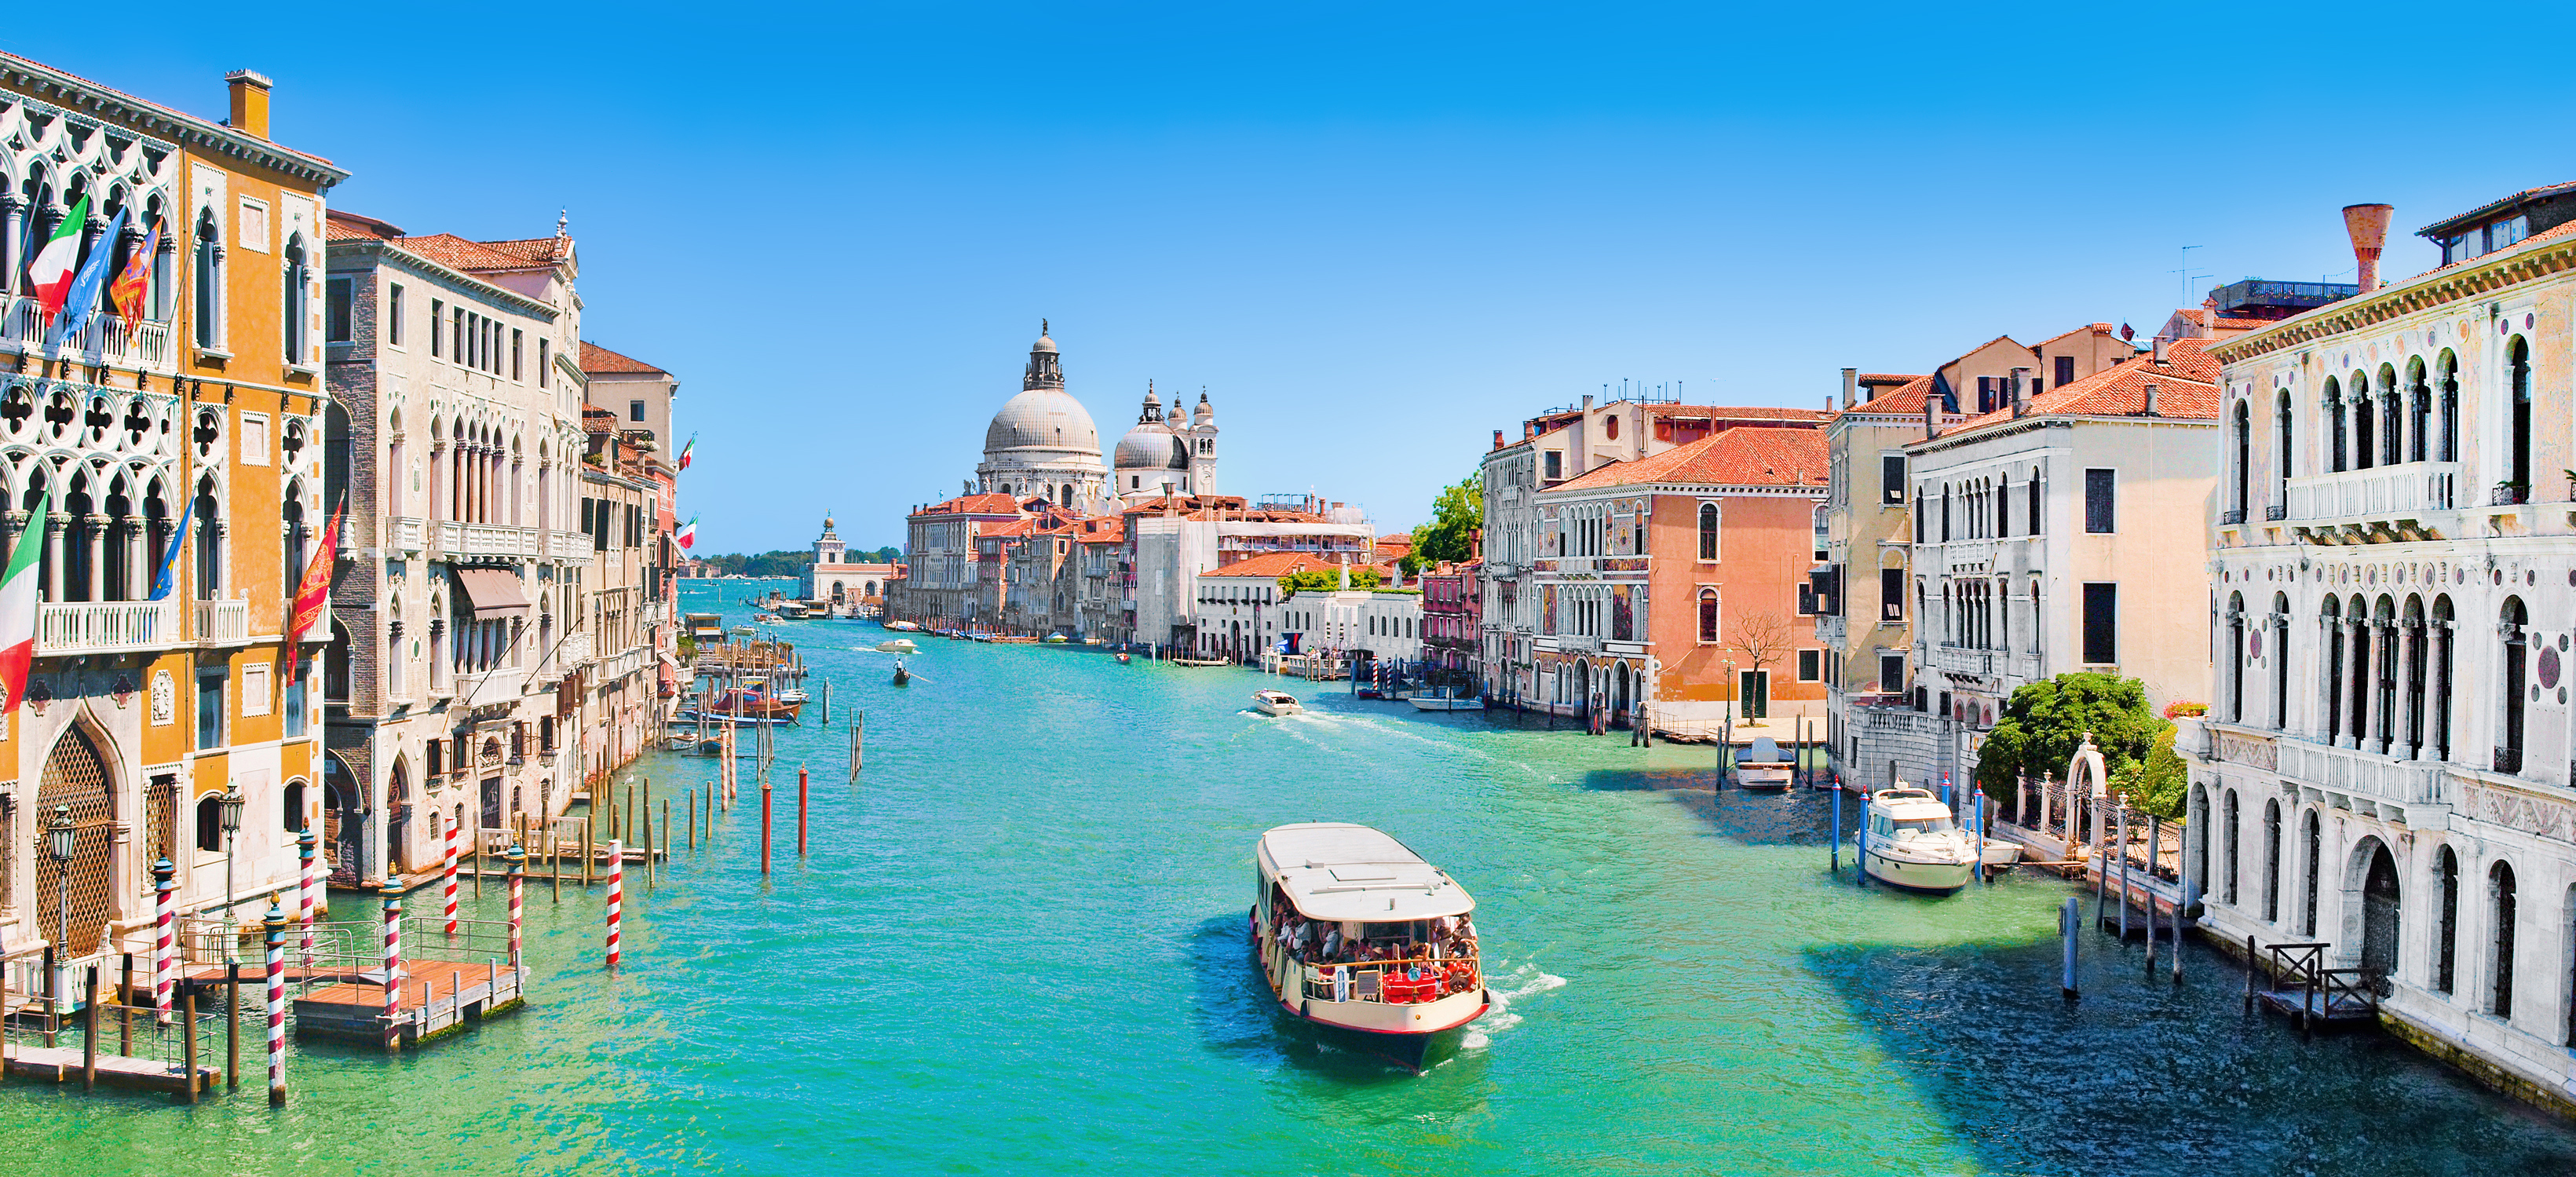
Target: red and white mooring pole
276,1003
165,941
393,969
450,870
616,894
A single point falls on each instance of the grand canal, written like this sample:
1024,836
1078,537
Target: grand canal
1016,947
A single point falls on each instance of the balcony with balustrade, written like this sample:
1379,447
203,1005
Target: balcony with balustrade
406,535
223,623
486,539
2410,498
1961,660
106,339
2349,778
107,627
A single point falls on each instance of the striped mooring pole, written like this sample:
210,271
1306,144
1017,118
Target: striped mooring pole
518,858
393,968
276,1003
616,895
450,869
165,939
304,847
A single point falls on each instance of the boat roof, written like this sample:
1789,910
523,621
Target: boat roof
1345,871
1270,694
1909,803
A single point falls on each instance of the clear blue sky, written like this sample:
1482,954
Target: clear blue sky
1374,233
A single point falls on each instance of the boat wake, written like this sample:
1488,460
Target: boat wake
1525,981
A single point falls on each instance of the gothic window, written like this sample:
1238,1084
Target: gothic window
209,282
1707,615
296,298
1708,531
2517,354
2334,417
2500,898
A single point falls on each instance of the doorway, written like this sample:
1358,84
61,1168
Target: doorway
2379,907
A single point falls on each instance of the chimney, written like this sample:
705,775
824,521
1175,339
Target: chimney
1587,404
2020,391
1498,439
1931,418
2151,397
250,104
1851,387
2368,225
2161,344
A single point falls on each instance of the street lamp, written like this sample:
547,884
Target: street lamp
232,814
61,839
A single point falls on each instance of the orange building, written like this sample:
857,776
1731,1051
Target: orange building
1669,585
202,408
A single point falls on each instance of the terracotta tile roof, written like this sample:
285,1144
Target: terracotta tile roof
1905,398
2560,233
2186,390
457,253
1736,413
595,358
1878,378
1011,530
1104,529
534,251
342,225
2087,329
1750,456
1272,565
981,504
2227,324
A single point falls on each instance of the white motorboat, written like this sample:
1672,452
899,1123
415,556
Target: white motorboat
1444,702
1765,765
1357,934
902,626
1910,840
898,646
1275,703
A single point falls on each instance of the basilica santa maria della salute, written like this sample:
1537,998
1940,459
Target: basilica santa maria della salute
1042,444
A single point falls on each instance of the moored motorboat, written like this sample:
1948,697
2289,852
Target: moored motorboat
1357,934
1056,639
903,626
1909,839
1275,703
1765,765
753,703
1443,700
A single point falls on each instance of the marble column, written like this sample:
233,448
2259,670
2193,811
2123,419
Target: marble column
13,230
54,526
94,540
2410,641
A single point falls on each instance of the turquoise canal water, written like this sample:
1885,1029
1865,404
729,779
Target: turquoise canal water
1017,947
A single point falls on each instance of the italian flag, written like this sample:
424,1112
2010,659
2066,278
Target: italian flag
51,273
688,533
18,594
687,450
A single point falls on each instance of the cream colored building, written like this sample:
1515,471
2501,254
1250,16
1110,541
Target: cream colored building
2386,766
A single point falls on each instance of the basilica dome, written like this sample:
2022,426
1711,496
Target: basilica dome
1151,445
1042,419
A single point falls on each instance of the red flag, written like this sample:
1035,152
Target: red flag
314,591
135,281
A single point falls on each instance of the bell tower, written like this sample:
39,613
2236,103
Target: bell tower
1202,439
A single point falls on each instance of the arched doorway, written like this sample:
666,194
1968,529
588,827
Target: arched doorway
76,781
1619,713
2379,908
344,821
398,819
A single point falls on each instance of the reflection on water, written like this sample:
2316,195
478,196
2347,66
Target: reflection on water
1017,946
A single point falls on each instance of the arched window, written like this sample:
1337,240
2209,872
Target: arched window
2330,619
2446,931
2364,451
2419,413
208,282
2313,852
294,807
2501,907
2384,663
1945,512
1707,616
2517,645
2034,501
2282,446
2392,419
2280,635
209,540
1610,428
2241,450
210,822
2229,877
2035,615
2236,654
298,279
2272,861
2441,636
2334,415
2416,659
1708,531
2517,358
2447,391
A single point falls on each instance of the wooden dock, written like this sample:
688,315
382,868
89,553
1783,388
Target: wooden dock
63,1064
438,998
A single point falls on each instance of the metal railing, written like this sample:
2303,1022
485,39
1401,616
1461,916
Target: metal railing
1368,980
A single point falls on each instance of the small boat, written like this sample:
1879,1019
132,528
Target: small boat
903,627
728,719
765,618
1764,765
1358,935
1123,659
753,703
1444,701
791,610
1057,639
1910,840
1275,703
898,646
901,676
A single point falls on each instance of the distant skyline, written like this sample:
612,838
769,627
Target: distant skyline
1373,235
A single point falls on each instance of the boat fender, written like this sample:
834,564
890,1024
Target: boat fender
1301,1007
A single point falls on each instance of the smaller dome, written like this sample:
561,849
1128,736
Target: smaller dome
1151,446
1206,414
1043,344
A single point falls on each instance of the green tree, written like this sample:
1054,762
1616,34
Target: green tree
1456,513
1327,580
2158,783
2044,723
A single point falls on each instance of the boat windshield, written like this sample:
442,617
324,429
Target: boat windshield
1915,827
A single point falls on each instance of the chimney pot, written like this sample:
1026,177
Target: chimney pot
1587,403
2151,398
1851,387
2367,224
2020,391
1498,439
249,113
2160,352
1931,418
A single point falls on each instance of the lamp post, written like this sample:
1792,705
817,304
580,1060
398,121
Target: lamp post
232,815
61,839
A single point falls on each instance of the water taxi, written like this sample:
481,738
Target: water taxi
1764,765
1357,934
898,646
1910,840
1275,703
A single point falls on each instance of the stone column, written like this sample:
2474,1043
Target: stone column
2411,639
138,557
13,229
94,538
54,526
223,572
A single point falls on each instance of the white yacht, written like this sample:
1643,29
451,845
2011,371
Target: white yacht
1910,840
1765,765
1275,703
1358,934
1445,700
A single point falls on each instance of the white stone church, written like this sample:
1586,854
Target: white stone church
1043,445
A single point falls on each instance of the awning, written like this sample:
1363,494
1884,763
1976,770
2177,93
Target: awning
494,591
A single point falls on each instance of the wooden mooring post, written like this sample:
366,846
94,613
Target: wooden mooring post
801,791
188,1044
858,737
2066,921
693,821
232,1021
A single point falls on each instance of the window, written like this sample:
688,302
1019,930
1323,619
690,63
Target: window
1891,594
1707,616
2101,623
1555,465
2446,933
2508,231
210,707
210,822
2500,893
437,311
517,340
209,282
1811,665
1891,479
394,314
1891,672
1807,600
296,290
1610,428
254,225
2098,488
2034,501
336,320
296,705
254,439
2065,370
255,689
634,410
1708,531
292,811
544,359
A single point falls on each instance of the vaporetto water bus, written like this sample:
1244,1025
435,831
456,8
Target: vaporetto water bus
1357,934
